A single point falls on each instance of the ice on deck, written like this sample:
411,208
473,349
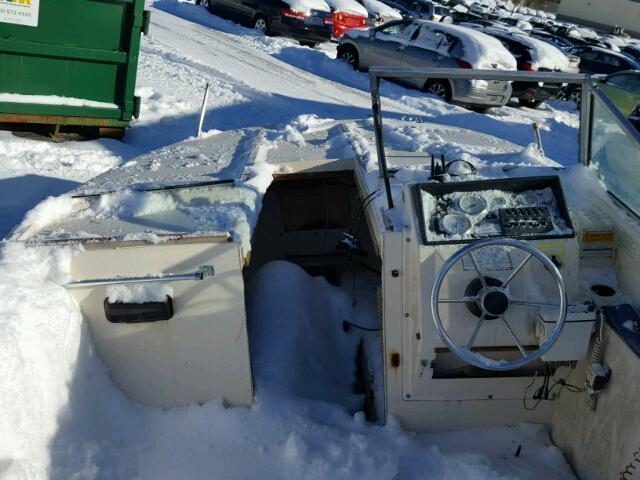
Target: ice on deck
214,185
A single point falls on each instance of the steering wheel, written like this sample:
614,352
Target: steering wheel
492,300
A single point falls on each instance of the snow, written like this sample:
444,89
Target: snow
349,6
380,10
543,54
306,6
139,293
53,100
64,418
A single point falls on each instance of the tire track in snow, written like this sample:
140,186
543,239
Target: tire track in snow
253,73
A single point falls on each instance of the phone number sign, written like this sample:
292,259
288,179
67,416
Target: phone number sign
20,12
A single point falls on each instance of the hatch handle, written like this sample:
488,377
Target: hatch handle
206,271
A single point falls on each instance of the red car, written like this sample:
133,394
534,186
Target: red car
347,14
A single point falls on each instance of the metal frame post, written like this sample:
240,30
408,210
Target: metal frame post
377,125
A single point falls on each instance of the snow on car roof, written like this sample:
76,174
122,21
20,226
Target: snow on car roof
350,6
378,8
543,54
307,5
480,50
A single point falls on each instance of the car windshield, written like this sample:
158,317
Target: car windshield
615,155
394,29
627,82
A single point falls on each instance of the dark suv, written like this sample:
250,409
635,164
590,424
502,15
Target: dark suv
276,17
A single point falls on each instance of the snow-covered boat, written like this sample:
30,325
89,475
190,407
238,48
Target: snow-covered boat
497,287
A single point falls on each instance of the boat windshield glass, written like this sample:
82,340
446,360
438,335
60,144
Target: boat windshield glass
615,154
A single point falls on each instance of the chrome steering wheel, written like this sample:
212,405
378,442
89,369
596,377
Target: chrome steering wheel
492,302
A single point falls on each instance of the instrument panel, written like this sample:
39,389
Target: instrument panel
524,208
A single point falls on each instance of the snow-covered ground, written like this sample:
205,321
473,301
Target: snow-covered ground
61,415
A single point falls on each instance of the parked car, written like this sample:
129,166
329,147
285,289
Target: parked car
517,23
379,13
632,50
480,8
534,55
481,23
623,88
459,17
421,43
347,14
556,40
571,33
308,21
421,9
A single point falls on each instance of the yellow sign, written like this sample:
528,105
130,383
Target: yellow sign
20,12
598,237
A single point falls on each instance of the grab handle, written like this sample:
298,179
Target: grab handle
203,272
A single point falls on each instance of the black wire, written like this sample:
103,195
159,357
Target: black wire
543,392
359,327
364,204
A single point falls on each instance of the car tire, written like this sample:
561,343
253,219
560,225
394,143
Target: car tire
309,44
575,96
208,4
529,103
261,24
349,54
439,88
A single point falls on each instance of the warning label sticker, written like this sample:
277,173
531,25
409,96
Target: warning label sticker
20,12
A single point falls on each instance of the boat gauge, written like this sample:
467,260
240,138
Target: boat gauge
472,204
498,202
455,224
459,168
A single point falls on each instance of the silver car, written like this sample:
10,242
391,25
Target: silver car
422,43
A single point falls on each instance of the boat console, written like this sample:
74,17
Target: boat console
531,208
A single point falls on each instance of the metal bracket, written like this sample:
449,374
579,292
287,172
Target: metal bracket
205,271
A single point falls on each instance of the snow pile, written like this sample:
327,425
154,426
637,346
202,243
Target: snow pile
306,6
139,292
40,329
348,6
73,160
311,343
54,100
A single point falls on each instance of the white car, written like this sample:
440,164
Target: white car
379,12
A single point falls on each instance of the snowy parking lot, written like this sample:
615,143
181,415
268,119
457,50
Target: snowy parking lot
62,416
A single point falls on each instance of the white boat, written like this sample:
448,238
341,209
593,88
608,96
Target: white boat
506,290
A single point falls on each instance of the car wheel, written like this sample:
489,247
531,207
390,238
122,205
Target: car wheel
309,44
349,55
261,24
439,88
575,96
208,4
530,103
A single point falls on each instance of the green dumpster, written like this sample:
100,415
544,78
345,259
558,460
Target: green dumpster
70,62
